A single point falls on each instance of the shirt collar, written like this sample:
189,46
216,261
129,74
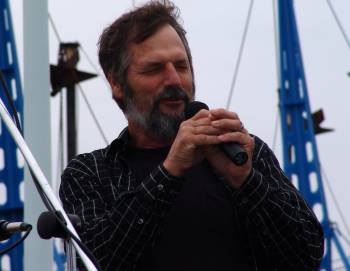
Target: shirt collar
118,145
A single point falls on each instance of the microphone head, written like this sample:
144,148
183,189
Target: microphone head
46,225
193,107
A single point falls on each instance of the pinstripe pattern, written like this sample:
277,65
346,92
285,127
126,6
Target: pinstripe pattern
121,215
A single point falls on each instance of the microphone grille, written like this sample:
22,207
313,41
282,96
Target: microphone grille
193,107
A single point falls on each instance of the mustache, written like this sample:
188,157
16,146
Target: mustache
172,93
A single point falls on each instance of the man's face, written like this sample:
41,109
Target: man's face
159,84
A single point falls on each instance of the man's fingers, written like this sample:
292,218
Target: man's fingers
223,114
228,124
201,114
241,138
204,140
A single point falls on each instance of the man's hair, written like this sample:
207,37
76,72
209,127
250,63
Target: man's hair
135,27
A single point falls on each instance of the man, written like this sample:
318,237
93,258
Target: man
163,196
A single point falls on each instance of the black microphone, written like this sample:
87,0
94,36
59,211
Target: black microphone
48,225
8,228
232,149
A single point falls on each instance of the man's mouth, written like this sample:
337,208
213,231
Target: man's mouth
173,102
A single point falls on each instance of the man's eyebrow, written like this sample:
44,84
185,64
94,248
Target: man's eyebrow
181,61
150,64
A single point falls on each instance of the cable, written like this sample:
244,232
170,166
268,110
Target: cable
341,234
97,71
92,113
277,72
278,68
54,28
342,30
335,200
275,133
17,242
80,88
233,83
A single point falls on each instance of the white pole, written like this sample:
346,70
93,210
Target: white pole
33,165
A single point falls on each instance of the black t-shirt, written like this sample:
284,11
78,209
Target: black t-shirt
200,232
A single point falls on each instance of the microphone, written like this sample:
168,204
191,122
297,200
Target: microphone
232,149
48,225
8,228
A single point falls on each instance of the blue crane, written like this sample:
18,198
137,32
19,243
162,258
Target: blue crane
301,162
11,170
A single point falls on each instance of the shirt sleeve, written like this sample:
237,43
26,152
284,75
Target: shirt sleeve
281,227
116,232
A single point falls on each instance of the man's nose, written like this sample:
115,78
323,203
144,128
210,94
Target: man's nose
171,75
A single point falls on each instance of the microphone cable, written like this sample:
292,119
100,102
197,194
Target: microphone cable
5,250
42,195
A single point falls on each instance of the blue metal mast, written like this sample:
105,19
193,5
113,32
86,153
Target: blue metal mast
11,169
301,162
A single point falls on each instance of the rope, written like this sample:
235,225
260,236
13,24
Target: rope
92,114
275,133
79,87
240,53
341,28
335,200
54,28
97,71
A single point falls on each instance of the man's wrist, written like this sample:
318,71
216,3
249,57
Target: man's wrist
172,168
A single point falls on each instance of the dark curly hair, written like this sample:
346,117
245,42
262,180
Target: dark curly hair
135,27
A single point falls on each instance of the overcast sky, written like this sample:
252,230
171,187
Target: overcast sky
214,32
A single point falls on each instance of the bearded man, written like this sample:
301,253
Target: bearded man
163,196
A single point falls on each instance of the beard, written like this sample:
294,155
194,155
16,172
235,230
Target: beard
156,124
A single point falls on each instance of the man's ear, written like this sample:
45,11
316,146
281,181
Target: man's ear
117,90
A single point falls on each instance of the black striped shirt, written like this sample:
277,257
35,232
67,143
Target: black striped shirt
122,215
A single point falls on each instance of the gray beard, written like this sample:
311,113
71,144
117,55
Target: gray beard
156,124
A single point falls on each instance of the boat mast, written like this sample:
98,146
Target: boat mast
301,162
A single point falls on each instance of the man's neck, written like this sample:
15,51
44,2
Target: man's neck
140,139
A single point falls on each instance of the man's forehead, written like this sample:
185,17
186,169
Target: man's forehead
164,43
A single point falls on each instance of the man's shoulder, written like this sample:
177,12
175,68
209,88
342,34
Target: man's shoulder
86,163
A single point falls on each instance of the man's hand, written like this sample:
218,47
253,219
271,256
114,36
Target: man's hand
186,150
231,129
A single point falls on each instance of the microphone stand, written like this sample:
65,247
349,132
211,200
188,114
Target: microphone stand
71,255
42,181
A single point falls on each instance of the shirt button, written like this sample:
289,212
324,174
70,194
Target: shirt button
245,200
160,187
140,221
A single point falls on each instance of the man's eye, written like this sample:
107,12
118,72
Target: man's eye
151,70
182,67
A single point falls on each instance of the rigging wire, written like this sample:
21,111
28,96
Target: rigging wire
275,23
54,28
92,113
240,53
80,88
275,133
44,197
277,65
341,28
342,235
97,71
325,177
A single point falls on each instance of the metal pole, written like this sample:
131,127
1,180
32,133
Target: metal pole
71,123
